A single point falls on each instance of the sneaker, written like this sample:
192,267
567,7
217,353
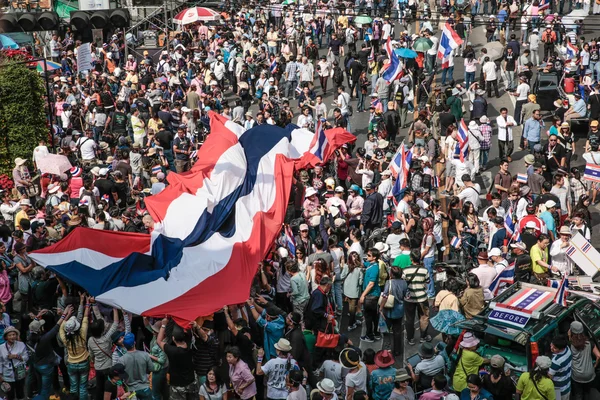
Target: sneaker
411,342
366,339
425,339
377,337
352,327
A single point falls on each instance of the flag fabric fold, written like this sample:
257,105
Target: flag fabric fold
213,226
561,294
394,68
448,42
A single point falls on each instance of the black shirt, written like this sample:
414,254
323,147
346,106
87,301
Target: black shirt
44,352
446,119
105,187
594,102
164,139
181,367
341,122
335,44
511,61
121,190
111,388
554,156
118,121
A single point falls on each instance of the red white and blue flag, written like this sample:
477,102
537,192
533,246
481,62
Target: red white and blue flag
448,42
544,4
456,242
213,225
463,140
572,51
394,67
399,167
290,241
562,293
592,172
273,66
522,178
504,279
319,144
508,223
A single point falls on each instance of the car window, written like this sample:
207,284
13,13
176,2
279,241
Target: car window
590,316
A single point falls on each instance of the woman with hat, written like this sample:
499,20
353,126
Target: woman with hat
21,176
357,376
24,265
468,361
402,389
13,360
73,334
583,368
277,369
537,384
429,366
565,137
497,383
160,387
100,346
381,380
326,390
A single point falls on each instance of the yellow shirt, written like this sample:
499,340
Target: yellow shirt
19,216
471,362
537,254
529,392
80,353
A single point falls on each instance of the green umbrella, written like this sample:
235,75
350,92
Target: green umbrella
422,44
363,20
288,2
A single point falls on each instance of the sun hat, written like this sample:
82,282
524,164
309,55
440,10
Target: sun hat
576,327
25,202
519,245
311,191
9,330
53,188
283,345
426,350
339,189
543,362
529,159
74,220
95,171
326,386
36,326
497,361
495,252
484,120
401,375
349,358
339,222
473,125
524,191
564,230
20,161
382,247
469,340
71,326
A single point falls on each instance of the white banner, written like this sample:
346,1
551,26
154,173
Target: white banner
86,5
584,255
84,58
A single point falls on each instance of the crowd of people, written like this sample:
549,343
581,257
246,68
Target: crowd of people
129,123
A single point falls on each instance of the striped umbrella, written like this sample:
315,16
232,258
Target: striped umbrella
195,14
50,66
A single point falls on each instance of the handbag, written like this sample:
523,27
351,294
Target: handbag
19,371
327,340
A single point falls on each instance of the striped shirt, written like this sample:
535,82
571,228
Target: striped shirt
417,280
561,371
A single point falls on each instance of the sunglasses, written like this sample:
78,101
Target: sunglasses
304,230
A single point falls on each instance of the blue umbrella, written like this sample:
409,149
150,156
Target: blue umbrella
8,43
444,319
405,53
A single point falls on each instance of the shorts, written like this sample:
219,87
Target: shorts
450,170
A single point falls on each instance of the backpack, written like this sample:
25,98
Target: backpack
417,234
338,75
49,207
349,36
244,76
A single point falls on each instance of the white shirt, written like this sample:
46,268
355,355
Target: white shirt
433,50
343,100
87,147
471,194
306,72
387,29
385,188
489,69
486,275
523,91
559,257
39,153
505,132
276,374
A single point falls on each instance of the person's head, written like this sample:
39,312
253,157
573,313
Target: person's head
474,383
369,356
117,374
415,256
543,241
537,115
439,382
213,376
504,163
503,111
97,328
232,354
473,281
496,199
303,231
373,255
559,344
11,335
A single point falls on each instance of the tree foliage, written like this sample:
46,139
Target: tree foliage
22,113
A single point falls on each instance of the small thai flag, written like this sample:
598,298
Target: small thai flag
298,89
586,247
507,276
463,140
516,237
436,182
522,178
572,50
105,197
273,66
83,202
194,154
508,223
456,242
156,169
592,172
571,250
561,294
290,241
553,283
544,4
319,142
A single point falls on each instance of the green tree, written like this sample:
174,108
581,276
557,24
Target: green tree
22,112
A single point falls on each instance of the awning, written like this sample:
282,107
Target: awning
64,8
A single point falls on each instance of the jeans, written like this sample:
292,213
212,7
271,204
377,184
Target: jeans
422,310
78,376
489,85
337,295
531,144
469,78
397,336
360,106
160,387
169,156
46,372
291,88
428,263
447,71
511,79
273,50
484,158
144,394
349,127
371,316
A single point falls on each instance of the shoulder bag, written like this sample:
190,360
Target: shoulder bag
536,388
389,301
327,340
19,371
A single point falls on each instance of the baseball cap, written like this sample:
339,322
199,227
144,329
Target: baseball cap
495,252
497,361
339,189
129,340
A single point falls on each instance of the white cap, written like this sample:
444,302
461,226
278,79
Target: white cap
103,171
550,204
310,191
283,253
494,252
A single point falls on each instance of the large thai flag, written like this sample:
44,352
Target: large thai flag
319,144
448,42
213,226
504,279
562,293
544,4
508,223
592,172
463,140
572,51
394,67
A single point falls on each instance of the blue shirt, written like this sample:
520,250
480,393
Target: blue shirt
273,332
532,130
579,107
382,383
372,275
547,217
561,371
